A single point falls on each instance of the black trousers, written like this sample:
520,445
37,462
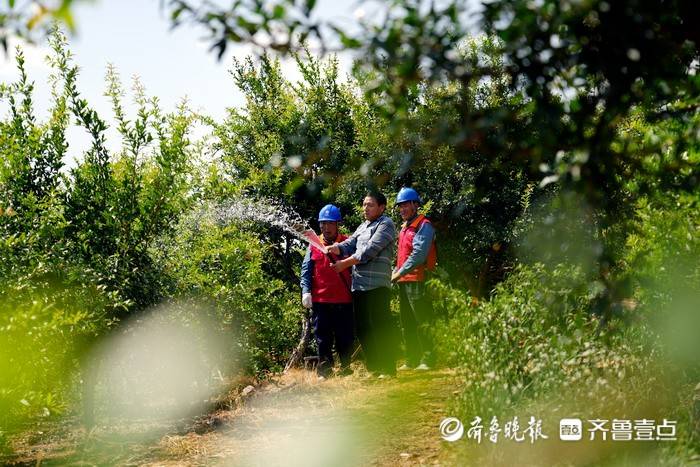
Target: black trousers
416,322
376,329
333,322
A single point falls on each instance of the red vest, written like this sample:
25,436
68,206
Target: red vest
406,247
327,286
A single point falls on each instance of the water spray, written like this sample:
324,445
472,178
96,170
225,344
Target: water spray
273,213
268,212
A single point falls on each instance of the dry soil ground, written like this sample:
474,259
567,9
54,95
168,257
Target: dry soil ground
294,419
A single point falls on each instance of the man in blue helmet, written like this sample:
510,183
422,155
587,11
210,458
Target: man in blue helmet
327,294
416,255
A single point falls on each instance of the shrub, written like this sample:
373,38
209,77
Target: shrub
223,265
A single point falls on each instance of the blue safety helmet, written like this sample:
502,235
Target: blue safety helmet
407,194
329,213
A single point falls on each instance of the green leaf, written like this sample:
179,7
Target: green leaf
278,12
308,8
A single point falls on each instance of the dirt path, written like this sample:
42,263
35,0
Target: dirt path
294,420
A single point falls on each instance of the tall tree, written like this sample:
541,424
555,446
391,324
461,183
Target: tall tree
581,68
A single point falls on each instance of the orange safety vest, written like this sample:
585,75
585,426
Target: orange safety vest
406,247
326,285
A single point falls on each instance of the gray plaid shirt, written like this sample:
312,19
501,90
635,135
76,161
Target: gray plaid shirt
372,245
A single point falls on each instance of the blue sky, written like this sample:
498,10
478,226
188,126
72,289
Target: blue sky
135,36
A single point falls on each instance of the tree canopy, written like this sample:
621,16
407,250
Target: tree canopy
577,73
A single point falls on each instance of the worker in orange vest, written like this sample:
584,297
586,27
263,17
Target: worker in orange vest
416,255
327,294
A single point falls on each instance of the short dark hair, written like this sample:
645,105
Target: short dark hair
378,197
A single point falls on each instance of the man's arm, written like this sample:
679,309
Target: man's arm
347,246
382,237
307,269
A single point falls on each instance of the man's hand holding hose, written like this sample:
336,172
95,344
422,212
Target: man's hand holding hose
343,264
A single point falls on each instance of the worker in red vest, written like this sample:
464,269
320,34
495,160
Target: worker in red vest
327,294
416,255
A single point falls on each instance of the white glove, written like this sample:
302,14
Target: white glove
306,300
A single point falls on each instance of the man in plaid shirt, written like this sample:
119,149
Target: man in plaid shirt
371,250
